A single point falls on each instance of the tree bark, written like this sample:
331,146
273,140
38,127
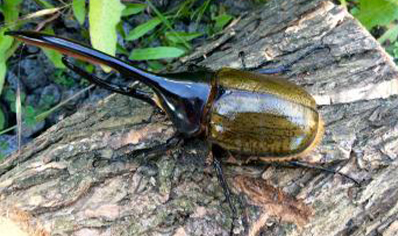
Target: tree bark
54,185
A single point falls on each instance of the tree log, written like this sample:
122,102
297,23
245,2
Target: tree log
52,187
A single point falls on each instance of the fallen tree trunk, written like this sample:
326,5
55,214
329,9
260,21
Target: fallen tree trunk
53,187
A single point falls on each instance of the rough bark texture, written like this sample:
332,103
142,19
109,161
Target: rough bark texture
53,180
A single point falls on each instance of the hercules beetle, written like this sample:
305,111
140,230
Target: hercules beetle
258,116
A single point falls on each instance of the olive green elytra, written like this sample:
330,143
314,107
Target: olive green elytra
262,115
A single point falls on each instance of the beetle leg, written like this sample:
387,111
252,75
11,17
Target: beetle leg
159,149
227,191
310,166
112,87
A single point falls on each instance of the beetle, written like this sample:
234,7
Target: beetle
258,116
243,112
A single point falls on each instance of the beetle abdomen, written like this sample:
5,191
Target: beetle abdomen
265,122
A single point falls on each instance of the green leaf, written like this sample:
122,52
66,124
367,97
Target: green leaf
176,37
79,10
133,8
343,3
11,10
44,4
59,77
9,95
121,50
54,56
156,53
90,68
155,65
221,21
142,29
5,42
10,14
200,11
164,19
380,12
391,34
104,15
120,30
30,113
2,119
3,70
395,50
